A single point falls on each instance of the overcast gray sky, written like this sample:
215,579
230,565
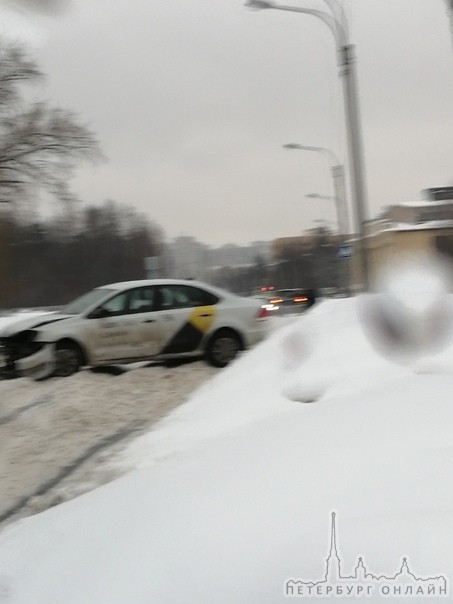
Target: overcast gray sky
192,101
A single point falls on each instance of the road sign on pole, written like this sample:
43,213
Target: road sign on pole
344,251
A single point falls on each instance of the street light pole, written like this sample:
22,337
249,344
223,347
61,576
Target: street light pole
337,172
449,4
346,62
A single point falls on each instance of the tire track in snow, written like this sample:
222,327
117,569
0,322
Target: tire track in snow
68,469
9,417
68,442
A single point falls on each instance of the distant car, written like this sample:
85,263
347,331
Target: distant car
283,301
267,302
294,300
130,322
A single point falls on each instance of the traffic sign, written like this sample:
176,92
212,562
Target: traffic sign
345,251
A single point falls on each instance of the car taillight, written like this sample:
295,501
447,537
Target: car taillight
300,299
262,313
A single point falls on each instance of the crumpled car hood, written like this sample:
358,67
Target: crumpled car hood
31,323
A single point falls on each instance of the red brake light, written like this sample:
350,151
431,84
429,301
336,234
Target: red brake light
262,313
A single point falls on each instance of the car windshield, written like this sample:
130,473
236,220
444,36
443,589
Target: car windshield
84,302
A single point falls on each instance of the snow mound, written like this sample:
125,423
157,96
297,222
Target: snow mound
235,490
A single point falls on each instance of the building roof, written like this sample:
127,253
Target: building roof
422,203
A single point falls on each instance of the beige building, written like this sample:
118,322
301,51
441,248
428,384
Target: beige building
405,229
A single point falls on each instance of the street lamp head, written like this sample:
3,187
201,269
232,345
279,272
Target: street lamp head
292,146
258,4
318,196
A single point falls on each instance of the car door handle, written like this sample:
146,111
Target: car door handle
206,314
148,321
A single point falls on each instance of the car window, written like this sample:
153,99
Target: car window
142,299
206,298
117,305
173,297
184,296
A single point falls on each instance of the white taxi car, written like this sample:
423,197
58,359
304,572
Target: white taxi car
133,321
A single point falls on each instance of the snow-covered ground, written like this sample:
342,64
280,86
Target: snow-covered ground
232,494
58,436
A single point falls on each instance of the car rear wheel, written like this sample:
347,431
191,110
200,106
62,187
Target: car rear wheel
223,348
68,359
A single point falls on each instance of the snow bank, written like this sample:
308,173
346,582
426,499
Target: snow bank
234,491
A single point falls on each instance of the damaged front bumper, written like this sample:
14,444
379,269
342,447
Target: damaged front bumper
38,365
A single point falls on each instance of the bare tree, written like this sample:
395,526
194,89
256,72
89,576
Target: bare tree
49,261
39,145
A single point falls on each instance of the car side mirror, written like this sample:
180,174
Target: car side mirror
98,313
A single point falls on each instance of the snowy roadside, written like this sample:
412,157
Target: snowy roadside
55,436
235,495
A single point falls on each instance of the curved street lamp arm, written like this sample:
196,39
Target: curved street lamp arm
338,12
335,26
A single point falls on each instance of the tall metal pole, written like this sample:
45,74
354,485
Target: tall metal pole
346,62
340,195
354,134
449,4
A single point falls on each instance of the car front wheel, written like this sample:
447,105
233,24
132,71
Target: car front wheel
68,359
223,348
